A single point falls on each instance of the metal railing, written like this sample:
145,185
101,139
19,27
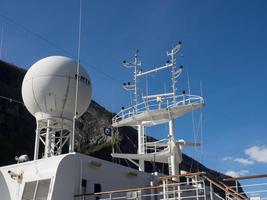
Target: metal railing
254,187
156,103
194,186
157,146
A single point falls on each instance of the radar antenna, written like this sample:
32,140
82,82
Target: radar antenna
135,63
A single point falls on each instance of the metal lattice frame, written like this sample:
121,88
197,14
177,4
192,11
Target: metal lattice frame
54,134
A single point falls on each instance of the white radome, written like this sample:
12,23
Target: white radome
49,87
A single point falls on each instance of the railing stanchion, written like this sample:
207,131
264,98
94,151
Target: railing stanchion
179,192
211,191
236,186
164,189
196,179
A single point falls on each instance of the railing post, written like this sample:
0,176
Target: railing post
236,186
226,195
196,179
211,191
110,196
204,189
164,189
179,192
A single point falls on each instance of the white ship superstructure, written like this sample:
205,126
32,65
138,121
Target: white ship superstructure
57,172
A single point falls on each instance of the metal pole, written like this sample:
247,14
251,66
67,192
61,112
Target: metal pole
236,186
211,191
37,141
1,42
173,77
77,80
135,82
196,179
47,140
174,164
141,146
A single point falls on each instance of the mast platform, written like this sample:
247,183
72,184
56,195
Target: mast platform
157,110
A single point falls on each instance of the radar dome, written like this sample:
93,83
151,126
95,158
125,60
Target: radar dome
49,88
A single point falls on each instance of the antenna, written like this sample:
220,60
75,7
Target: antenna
201,122
174,72
133,87
188,82
1,41
77,80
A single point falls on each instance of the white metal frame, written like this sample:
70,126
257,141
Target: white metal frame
54,134
157,102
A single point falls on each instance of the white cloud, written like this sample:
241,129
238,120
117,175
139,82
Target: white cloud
236,173
227,158
244,161
257,153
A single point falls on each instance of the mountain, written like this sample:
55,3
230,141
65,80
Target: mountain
17,129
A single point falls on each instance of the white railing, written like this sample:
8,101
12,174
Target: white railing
168,190
157,146
197,186
156,103
254,187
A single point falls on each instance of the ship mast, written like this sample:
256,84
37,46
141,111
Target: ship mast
157,109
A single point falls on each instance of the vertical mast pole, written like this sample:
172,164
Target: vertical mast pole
140,127
141,145
37,141
72,141
1,41
47,140
135,82
173,159
173,76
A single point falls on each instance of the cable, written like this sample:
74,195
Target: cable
11,100
39,36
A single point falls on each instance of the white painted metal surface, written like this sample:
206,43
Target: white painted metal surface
152,112
48,88
60,177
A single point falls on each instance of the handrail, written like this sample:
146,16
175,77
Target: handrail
245,177
225,189
118,191
124,190
235,192
182,175
153,103
141,188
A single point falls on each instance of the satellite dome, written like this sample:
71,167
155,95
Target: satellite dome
49,88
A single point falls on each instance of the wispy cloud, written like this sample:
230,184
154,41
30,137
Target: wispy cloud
227,158
254,153
236,173
257,153
242,161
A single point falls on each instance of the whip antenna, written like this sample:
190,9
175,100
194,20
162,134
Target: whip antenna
1,41
77,78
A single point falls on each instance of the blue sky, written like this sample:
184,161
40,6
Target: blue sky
224,47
